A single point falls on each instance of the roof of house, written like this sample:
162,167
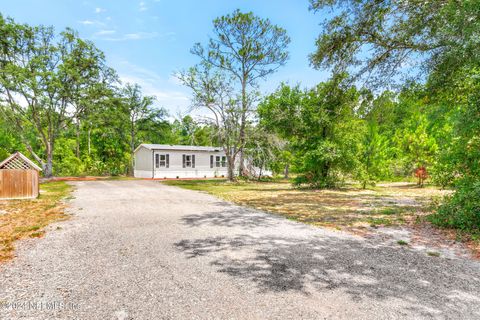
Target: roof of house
18,161
177,147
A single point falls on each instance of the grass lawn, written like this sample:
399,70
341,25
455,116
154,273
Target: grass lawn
27,218
385,205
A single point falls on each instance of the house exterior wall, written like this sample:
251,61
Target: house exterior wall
145,166
143,163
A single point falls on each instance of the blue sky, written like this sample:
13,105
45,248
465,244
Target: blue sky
147,41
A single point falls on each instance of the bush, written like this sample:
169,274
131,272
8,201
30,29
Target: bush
319,181
443,174
462,209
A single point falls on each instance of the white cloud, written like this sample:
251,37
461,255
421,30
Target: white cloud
125,37
140,35
99,10
87,22
103,32
143,6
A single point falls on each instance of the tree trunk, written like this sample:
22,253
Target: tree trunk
77,135
261,171
89,142
132,148
286,171
241,167
39,160
48,167
231,168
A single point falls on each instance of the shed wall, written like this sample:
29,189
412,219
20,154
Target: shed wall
18,184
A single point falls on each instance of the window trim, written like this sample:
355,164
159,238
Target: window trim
188,163
158,160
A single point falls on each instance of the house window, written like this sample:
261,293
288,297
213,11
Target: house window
189,161
220,161
162,160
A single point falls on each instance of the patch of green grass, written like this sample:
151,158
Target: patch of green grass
402,242
37,234
27,228
433,253
380,221
200,185
389,211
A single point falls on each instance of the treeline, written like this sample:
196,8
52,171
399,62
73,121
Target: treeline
61,104
335,132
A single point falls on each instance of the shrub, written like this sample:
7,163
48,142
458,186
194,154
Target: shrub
462,209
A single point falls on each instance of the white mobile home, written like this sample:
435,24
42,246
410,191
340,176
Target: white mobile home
172,161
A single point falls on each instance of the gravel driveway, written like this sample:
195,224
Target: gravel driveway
143,250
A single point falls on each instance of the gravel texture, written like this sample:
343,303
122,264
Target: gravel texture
143,250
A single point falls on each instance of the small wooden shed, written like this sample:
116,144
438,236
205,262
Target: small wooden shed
19,177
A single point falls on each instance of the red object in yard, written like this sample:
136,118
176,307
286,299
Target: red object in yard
421,174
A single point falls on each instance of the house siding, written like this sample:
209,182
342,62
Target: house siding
143,163
202,165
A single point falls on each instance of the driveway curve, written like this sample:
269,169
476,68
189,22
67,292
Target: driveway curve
143,250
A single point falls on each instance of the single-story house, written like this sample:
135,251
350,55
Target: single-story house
172,161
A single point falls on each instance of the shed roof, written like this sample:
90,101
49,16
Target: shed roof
18,161
177,147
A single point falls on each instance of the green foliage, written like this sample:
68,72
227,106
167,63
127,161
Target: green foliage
320,125
66,163
440,36
439,125
373,157
462,209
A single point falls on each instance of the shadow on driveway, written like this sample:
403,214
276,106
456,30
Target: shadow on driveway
280,261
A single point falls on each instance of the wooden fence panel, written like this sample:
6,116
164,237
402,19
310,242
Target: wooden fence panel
16,184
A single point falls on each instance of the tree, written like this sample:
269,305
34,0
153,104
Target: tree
373,156
429,36
213,91
264,151
247,48
188,131
322,127
278,114
140,112
40,80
